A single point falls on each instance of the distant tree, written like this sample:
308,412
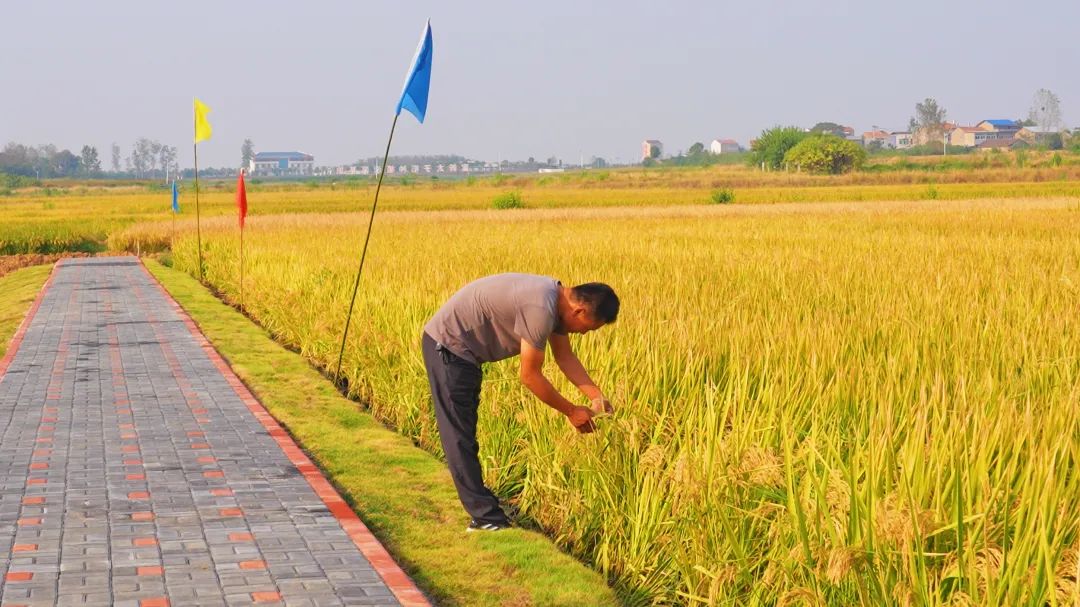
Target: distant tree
1055,141
18,159
115,158
697,149
1026,122
824,153
773,144
64,164
145,156
1046,110
648,162
141,156
599,163
88,161
875,145
830,128
247,152
45,160
167,158
929,120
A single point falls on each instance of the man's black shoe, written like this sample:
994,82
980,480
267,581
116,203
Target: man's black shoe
478,526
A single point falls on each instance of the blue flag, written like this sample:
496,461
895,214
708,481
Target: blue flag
175,198
415,94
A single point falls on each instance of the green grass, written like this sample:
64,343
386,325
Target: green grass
17,291
404,494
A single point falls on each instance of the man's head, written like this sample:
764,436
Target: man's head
588,307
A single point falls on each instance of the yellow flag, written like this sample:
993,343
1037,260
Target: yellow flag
202,125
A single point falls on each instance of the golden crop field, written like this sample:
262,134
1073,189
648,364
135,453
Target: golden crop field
835,404
80,217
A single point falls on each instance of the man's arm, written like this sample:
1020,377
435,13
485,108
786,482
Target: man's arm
532,375
571,367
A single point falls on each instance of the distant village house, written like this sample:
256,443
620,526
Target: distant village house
651,148
281,164
724,146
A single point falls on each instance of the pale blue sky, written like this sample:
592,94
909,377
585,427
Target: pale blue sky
513,80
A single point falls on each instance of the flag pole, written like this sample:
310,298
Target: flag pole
363,255
242,251
172,238
241,268
198,226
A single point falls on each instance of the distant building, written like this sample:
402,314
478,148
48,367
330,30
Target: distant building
901,140
1035,134
1000,126
965,136
724,146
877,135
932,136
975,136
882,137
1001,143
651,148
281,164
349,169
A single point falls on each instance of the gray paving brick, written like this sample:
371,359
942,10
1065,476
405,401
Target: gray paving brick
98,427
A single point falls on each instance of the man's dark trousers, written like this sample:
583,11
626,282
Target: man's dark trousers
455,388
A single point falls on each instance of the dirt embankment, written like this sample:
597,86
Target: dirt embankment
10,263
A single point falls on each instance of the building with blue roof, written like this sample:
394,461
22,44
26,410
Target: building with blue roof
282,164
1009,127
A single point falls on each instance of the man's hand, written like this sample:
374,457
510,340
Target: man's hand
601,407
581,418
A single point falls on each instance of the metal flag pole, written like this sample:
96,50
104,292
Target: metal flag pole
363,255
198,228
242,246
241,269
414,99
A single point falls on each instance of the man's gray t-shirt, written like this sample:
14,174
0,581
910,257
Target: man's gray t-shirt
487,319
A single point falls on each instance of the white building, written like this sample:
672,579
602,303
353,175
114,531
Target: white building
901,140
651,148
724,146
281,164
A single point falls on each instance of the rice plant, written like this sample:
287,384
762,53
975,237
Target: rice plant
817,404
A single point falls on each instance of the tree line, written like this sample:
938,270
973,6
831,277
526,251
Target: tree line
147,159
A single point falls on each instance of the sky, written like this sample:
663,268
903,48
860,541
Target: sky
511,80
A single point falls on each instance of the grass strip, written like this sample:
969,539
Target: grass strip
404,494
17,291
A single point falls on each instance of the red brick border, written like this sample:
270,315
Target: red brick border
16,339
391,573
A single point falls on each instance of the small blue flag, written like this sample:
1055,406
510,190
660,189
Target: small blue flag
414,96
175,198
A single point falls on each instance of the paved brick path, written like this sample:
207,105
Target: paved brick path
136,470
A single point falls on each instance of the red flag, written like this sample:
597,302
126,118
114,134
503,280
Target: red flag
241,198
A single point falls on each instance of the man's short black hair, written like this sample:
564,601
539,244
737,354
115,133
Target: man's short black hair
600,299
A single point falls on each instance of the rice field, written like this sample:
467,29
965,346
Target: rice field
817,403
79,217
